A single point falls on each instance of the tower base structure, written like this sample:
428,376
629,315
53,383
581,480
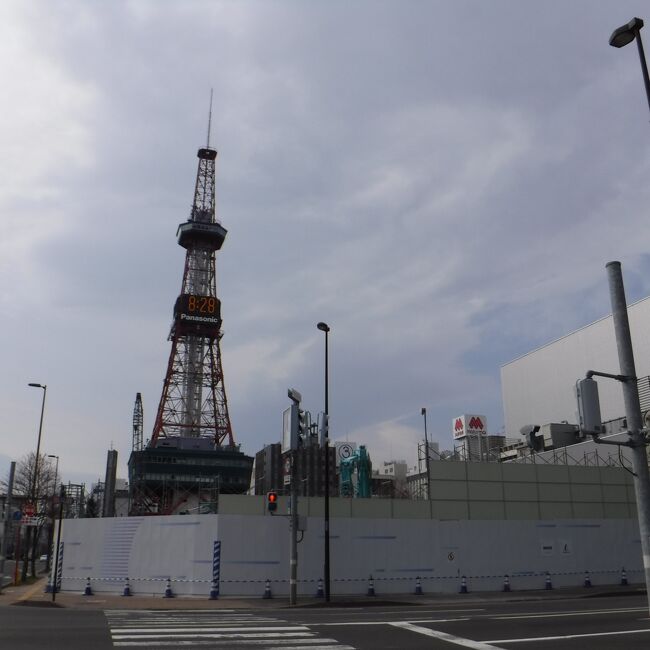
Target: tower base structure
185,475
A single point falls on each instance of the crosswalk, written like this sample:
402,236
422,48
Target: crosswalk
209,629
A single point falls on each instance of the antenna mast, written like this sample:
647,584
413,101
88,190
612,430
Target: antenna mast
210,117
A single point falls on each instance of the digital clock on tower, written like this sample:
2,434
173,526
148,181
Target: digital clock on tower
199,315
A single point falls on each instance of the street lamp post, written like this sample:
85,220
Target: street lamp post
38,444
626,34
426,453
33,486
324,327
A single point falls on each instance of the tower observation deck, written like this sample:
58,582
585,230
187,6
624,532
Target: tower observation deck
192,455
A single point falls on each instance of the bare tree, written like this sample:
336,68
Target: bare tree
41,499
92,508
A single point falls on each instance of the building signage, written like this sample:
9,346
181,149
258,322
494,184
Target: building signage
469,425
344,450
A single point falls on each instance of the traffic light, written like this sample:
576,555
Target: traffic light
271,501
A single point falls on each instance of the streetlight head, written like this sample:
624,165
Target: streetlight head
52,456
626,33
294,395
323,327
35,385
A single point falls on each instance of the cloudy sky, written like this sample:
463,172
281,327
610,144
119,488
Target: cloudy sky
442,182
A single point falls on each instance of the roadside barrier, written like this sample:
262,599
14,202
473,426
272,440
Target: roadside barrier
402,584
587,582
88,591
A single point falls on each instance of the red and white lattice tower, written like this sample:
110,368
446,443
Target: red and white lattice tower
193,401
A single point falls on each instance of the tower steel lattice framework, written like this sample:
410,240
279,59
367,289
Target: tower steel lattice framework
193,401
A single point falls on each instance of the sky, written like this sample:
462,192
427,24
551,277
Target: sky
441,182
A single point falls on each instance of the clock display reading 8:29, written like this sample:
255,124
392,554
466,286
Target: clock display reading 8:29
202,305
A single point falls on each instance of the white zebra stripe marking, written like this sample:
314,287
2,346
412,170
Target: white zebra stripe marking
317,644
157,629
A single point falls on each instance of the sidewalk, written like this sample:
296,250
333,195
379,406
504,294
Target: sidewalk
34,595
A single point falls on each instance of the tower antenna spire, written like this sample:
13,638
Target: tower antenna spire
210,117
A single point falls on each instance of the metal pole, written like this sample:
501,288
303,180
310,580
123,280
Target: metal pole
293,559
632,410
38,444
426,451
55,575
644,65
48,564
28,534
5,524
327,479
324,327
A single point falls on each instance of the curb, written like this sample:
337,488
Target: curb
34,595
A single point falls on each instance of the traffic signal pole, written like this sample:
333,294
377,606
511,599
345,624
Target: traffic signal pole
294,437
637,441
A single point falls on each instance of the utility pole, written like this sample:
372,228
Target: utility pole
296,422
637,439
324,327
5,524
55,577
426,452
293,559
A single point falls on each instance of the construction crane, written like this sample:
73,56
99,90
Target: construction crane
360,464
137,423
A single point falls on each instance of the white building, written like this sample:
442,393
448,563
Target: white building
538,387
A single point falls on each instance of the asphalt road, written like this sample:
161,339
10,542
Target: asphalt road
594,623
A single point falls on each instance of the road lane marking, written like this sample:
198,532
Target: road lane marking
573,613
210,629
286,643
230,635
154,612
320,647
443,636
181,630
569,636
423,620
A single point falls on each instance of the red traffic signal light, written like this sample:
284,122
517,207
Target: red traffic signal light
271,501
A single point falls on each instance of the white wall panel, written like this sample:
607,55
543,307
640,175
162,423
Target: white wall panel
393,551
538,387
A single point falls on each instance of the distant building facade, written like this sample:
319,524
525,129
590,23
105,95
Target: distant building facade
271,467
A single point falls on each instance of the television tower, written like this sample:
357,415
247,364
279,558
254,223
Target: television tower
193,401
191,456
